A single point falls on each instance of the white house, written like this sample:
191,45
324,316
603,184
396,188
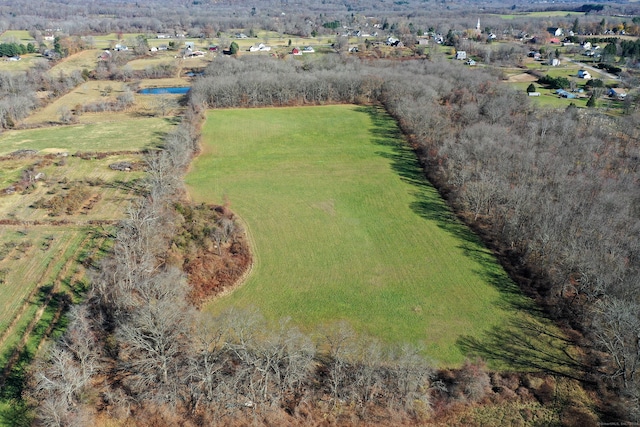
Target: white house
392,41
556,31
461,55
584,74
260,48
617,93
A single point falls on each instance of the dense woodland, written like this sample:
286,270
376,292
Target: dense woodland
553,193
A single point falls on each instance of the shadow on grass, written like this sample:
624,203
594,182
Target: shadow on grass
15,412
527,341
527,344
135,186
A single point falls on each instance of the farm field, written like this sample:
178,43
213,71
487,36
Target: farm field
124,134
76,62
29,251
49,264
26,62
106,41
158,58
88,92
44,254
105,192
542,14
59,197
344,227
16,36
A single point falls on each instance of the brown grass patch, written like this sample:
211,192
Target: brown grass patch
213,264
522,78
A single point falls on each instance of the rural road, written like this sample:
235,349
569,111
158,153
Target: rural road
591,68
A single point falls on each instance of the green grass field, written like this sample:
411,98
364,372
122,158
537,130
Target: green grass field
17,36
30,265
131,134
345,227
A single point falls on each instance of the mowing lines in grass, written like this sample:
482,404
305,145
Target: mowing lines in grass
345,227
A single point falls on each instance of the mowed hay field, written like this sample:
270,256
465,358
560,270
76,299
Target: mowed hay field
126,134
344,227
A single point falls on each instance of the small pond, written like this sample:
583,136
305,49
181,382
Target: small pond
164,90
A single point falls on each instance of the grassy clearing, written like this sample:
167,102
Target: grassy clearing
161,58
345,227
17,36
548,97
26,62
131,134
87,92
77,62
107,41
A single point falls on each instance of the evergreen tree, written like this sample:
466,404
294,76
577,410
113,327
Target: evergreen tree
234,48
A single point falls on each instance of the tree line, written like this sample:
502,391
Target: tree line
14,49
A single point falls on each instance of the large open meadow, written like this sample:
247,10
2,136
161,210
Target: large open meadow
344,227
